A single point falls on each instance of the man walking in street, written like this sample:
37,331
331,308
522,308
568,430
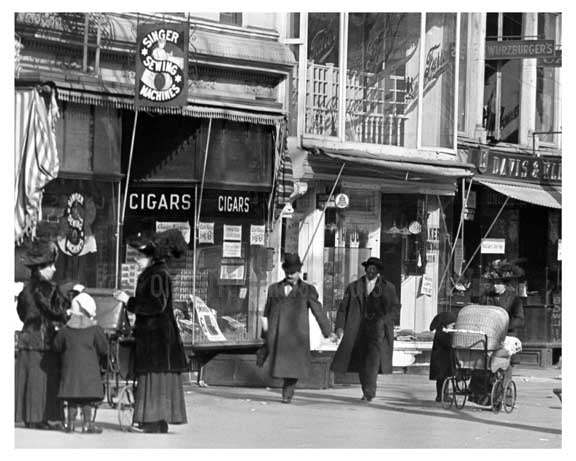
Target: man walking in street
286,326
365,326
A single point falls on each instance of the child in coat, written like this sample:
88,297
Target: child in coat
81,344
441,357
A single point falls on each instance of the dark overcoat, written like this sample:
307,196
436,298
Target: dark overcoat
512,303
358,329
288,336
41,305
441,355
158,345
81,345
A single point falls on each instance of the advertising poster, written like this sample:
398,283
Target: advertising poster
257,235
205,232
233,233
231,249
207,320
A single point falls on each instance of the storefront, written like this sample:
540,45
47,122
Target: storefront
513,212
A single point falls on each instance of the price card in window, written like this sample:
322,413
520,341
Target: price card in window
205,232
257,235
233,233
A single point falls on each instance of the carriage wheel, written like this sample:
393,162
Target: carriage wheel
448,393
497,396
460,392
510,396
125,407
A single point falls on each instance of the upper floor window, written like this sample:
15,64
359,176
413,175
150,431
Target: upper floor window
368,79
234,19
503,81
547,120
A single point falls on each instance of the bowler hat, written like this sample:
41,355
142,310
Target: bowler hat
372,261
41,252
291,263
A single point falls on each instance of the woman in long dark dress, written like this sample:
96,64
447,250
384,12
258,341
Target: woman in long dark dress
159,354
41,305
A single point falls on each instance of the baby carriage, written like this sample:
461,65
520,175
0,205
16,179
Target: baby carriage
117,369
481,354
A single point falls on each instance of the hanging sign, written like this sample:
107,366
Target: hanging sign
342,201
426,287
493,246
162,65
559,250
519,49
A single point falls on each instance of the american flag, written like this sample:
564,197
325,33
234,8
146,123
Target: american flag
283,185
36,157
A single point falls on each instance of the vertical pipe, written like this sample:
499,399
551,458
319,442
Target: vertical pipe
118,236
85,47
129,166
98,40
343,71
421,79
456,84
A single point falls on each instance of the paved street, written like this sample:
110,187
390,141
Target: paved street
403,415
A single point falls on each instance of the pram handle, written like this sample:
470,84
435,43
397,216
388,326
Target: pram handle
458,330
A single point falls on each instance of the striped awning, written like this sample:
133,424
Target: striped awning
35,155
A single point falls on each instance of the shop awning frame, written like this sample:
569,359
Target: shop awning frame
549,196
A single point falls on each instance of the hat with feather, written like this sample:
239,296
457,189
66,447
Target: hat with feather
41,252
162,245
504,270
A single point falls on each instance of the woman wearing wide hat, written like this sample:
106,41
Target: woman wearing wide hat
159,354
41,305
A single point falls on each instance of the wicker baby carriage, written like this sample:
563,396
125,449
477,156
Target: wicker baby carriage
481,372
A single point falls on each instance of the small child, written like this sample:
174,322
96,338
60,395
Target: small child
441,357
81,342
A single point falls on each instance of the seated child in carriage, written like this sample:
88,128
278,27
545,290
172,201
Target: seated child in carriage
81,344
441,357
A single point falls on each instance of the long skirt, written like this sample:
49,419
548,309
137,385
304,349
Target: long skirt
159,397
36,379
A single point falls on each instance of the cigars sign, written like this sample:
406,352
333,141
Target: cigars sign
506,165
162,65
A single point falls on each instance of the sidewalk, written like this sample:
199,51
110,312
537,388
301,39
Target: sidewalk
403,415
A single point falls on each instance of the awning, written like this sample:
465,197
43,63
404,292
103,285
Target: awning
123,101
543,195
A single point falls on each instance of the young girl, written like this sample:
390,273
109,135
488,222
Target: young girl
441,358
81,343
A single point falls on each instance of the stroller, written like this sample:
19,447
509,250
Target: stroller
481,353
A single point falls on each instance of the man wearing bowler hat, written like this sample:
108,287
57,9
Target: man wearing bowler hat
286,326
365,326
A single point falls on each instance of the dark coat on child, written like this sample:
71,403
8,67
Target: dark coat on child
364,318
512,303
158,348
441,356
81,344
288,337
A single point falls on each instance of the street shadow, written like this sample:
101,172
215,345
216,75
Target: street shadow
407,405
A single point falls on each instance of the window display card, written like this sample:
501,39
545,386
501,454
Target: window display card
257,234
426,288
231,249
205,232
183,227
232,272
233,233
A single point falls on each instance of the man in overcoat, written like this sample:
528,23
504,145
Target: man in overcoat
365,326
287,327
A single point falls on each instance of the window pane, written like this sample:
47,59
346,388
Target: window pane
546,84
439,84
462,72
322,74
234,19
382,70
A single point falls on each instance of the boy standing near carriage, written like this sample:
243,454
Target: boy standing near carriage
441,357
81,342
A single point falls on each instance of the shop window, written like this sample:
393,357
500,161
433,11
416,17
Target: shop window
502,81
548,83
80,216
439,81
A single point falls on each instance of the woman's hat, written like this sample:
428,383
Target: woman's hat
42,252
503,270
161,245
373,262
442,319
291,263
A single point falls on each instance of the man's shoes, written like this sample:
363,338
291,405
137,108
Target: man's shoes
286,400
438,398
366,398
163,427
42,426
